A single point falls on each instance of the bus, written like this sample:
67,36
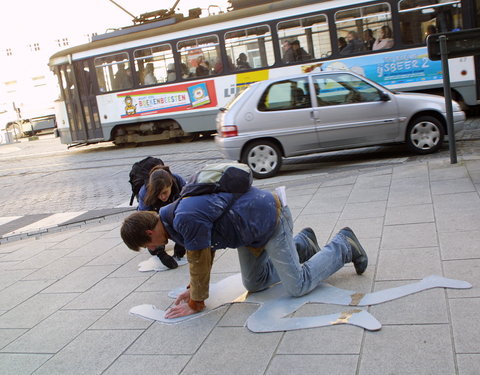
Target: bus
166,79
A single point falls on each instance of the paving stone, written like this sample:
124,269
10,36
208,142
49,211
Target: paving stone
312,364
467,270
21,291
411,214
460,245
236,345
409,236
408,264
466,327
408,349
148,365
53,333
22,364
92,352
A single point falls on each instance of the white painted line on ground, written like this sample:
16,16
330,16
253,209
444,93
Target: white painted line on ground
7,219
47,222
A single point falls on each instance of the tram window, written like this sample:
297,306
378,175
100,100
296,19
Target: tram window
199,56
250,48
419,18
155,64
113,72
365,28
304,39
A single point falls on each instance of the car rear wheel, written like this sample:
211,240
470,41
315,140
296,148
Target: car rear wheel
263,158
425,135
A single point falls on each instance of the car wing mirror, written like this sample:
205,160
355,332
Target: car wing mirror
384,97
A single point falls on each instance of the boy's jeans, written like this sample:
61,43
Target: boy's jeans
279,261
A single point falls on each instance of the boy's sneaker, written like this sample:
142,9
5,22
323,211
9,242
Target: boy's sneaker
359,256
310,234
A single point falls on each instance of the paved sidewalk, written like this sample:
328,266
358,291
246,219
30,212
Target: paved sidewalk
64,297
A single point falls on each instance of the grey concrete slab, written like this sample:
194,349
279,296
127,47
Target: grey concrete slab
325,205
81,239
236,314
34,310
58,269
118,255
171,339
227,262
55,332
410,214
468,364
148,365
460,245
408,349
409,236
21,291
81,279
466,328
426,307
446,171
366,194
464,269
96,247
225,351
90,353
460,185
9,277
7,335
312,364
40,260
449,204
374,181
165,280
25,252
410,170
22,364
118,317
106,294
364,210
409,264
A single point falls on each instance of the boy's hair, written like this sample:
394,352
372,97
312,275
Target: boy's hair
134,227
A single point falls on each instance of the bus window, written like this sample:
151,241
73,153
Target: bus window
304,39
365,28
250,48
198,56
113,72
155,65
420,18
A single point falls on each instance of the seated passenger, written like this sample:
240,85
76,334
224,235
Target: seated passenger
384,40
242,62
368,39
353,44
123,78
299,53
171,74
149,78
202,68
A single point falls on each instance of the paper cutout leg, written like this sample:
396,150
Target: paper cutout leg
271,315
225,291
154,264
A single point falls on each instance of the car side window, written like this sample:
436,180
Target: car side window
339,89
286,95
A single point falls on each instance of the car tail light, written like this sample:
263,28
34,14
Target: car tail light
228,131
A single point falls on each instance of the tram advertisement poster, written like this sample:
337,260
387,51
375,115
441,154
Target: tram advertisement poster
163,99
392,68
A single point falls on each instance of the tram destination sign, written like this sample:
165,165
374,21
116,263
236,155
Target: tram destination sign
459,44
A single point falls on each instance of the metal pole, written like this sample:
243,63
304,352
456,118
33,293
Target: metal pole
448,98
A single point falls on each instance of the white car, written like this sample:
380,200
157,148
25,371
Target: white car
326,111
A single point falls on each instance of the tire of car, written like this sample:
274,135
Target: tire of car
425,135
263,157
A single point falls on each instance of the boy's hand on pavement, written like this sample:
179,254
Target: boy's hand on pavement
183,297
180,309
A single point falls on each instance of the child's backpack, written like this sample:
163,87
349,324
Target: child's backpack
140,172
228,177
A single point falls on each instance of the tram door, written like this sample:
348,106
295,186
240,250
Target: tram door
80,103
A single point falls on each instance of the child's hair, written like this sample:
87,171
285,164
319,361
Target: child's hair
134,227
160,178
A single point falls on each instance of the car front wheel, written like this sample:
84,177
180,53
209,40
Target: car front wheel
425,135
263,158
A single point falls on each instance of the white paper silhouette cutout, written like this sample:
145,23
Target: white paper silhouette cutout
276,305
154,264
